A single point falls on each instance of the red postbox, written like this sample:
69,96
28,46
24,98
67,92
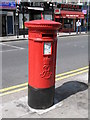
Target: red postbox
42,36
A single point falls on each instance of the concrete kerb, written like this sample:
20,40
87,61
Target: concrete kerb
71,34
13,40
7,39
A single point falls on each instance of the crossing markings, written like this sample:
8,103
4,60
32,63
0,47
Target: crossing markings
13,46
17,88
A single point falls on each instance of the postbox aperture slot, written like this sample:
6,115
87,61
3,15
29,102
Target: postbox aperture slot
47,35
47,48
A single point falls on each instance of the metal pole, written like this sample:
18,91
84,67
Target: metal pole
52,12
89,75
23,22
17,21
87,17
18,24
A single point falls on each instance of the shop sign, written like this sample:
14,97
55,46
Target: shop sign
7,5
69,7
75,16
57,11
72,16
84,12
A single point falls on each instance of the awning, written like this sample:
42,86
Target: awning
70,14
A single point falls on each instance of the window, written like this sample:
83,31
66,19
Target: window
26,18
68,23
37,16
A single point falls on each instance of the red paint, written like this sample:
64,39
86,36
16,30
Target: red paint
70,6
70,14
42,67
57,10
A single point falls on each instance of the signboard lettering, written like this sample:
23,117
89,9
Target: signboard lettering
7,5
69,7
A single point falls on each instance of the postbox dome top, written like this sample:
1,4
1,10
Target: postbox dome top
43,24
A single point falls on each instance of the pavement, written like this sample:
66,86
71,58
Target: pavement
71,101
14,38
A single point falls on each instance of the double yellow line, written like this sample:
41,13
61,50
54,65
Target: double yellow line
17,88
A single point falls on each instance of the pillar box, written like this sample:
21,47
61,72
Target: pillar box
42,36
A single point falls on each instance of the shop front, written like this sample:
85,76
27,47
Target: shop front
7,12
68,18
32,11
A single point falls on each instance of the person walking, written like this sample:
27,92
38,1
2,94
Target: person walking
78,24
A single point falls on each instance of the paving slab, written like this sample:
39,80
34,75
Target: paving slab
71,101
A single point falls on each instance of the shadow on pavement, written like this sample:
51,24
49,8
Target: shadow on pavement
68,89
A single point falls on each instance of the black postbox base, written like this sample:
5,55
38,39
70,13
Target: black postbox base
40,98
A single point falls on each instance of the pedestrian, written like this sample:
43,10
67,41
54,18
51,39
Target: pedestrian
78,24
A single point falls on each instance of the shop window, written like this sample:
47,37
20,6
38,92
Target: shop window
57,20
68,23
48,15
37,16
61,20
26,18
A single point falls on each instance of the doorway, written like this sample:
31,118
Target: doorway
9,25
3,25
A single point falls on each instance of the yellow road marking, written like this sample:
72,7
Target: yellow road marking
13,91
71,75
13,87
59,75
72,71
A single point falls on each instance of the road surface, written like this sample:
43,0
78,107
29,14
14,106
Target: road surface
72,53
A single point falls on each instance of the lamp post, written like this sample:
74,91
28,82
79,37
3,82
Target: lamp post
23,8
23,23
88,6
17,20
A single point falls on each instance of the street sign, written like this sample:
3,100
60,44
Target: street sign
8,5
84,12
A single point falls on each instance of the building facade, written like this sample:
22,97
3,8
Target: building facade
7,13
32,11
13,14
68,14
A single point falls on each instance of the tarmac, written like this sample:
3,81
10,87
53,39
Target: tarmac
71,96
